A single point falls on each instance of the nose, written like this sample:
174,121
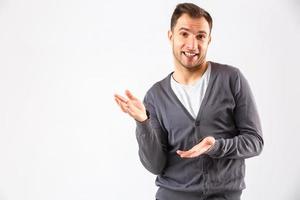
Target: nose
192,43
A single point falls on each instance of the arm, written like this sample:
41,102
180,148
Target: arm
151,139
249,141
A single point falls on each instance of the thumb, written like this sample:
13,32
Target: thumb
130,95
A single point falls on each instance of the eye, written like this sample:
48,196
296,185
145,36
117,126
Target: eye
200,37
184,34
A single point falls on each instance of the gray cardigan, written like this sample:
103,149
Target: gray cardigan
227,112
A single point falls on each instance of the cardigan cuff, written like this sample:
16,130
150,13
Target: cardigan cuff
213,151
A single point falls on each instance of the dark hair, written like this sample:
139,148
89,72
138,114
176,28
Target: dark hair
193,11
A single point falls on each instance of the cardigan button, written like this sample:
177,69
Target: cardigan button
197,123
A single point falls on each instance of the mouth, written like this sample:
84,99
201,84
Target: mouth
190,54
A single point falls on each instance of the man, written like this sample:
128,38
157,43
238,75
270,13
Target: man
199,124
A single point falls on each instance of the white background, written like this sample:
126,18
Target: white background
62,136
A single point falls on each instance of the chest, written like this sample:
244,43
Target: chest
215,117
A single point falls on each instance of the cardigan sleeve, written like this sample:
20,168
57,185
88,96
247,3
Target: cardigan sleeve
249,140
151,139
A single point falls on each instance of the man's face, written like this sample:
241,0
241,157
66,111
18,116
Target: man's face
190,39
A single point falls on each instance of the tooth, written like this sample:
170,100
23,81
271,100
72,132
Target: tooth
189,54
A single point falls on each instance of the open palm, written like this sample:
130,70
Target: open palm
133,106
198,149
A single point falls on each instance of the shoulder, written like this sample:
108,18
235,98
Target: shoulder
158,88
225,69
163,84
228,75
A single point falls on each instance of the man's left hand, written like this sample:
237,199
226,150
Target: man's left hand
198,149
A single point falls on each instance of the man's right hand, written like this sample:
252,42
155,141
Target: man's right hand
133,106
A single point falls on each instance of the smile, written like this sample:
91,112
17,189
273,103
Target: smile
189,55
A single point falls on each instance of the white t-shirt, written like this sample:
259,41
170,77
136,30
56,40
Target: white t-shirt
191,96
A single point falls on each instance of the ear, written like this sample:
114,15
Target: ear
170,35
209,40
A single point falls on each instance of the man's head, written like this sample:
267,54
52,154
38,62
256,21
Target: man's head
190,35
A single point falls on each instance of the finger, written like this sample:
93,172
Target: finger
187,156
179,152
117,101
197,153
119,97
119,104
197,150
192,154
122,99
184,154
124,106
130,95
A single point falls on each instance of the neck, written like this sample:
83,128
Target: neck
187,76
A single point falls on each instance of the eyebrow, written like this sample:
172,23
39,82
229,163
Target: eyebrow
186,29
